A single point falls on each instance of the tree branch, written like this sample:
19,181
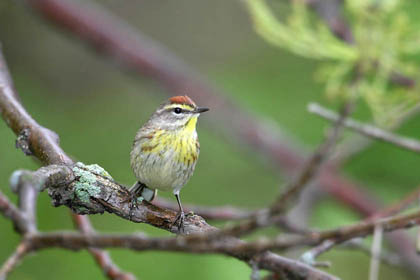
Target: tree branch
33,139
229,246
27,191
368,130
9,211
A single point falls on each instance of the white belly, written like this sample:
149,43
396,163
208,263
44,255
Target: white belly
162,170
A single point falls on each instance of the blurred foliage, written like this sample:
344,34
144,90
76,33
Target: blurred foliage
384,40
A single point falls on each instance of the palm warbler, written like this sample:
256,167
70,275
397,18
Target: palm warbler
166,149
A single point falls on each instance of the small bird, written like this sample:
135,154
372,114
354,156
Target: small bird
165,151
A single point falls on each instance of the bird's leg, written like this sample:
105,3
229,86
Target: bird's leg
134,192
180,217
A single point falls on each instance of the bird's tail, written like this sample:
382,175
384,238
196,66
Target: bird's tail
140,189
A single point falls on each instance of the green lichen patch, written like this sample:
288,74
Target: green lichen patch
85,186
94,168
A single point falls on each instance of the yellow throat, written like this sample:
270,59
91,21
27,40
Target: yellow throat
191,124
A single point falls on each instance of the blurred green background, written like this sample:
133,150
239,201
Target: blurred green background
96,109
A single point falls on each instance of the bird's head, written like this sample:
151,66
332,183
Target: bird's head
178,112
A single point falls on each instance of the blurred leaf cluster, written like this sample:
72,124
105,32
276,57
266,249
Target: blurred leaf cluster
384,41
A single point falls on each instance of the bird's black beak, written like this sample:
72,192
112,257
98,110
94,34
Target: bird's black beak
200,110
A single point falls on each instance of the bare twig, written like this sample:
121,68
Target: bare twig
368,130
358,143
41,142
9,210
255,273
27,191
376,252
418,240
21,250
399,206
309,257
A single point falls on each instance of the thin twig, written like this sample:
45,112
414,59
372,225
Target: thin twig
376,252
27,190
255,273
357,143
309,257
9,210
368,130
398,206
21,250
418,239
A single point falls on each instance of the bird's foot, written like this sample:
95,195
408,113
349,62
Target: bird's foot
133,199
179,222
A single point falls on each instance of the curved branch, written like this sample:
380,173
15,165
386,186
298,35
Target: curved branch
35,140
9,210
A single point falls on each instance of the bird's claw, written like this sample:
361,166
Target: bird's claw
179,222
132,199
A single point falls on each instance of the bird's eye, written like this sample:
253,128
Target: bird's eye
177,110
